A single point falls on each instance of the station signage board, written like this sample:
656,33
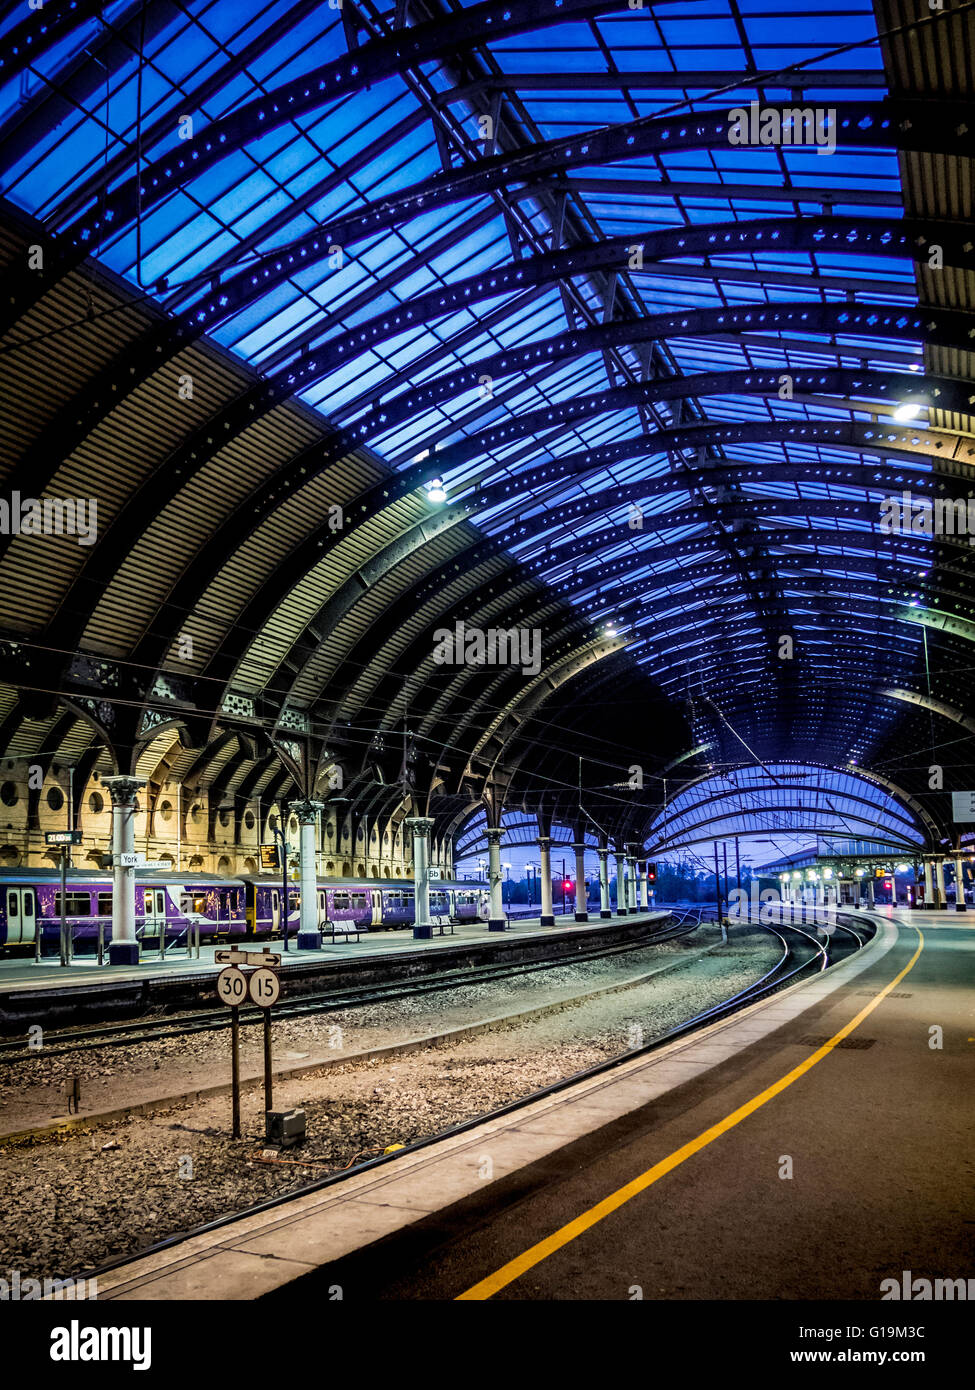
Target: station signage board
962,806
135,861
235,956
62,837
270,858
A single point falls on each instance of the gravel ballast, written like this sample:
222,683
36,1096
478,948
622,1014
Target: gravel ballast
72,1203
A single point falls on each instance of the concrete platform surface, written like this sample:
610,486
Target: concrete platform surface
18,972
443,1221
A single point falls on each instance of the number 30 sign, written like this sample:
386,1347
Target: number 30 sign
232,986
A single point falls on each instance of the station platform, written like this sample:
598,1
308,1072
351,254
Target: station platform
50,993
812,1146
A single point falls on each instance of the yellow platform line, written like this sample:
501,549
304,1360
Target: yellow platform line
515,1268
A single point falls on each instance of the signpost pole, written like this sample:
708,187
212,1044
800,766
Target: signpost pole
279,830
235,1070
64,904
268,1080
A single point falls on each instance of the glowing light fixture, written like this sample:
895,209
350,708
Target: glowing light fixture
907,410
435,490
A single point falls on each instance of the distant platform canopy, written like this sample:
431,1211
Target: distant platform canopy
774,807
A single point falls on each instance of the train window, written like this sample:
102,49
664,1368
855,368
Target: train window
12,909
341,901
104,905
199,903
28,904
294,902
358,899
75,904
321,901
160,905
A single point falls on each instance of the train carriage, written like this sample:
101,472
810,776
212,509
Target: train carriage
222,908
31,905
359,905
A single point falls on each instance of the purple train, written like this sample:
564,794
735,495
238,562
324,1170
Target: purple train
222,908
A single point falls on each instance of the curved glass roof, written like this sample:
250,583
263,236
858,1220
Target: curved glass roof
782,805
515,247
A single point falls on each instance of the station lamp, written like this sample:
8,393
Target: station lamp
908,410
435,490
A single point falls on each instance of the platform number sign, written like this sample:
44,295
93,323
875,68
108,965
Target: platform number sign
264,987
232,986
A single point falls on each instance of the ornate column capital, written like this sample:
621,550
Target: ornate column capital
123,789
306,810
494,834
420,825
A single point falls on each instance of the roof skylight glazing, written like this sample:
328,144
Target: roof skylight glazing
372,311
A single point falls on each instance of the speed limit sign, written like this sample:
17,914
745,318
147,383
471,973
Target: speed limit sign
232,985
264,988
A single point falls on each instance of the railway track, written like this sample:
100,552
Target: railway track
803,953
15,1050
